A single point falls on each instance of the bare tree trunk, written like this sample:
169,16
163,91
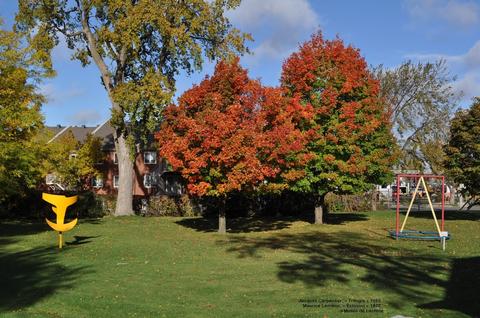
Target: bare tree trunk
320,210
222,222
124,204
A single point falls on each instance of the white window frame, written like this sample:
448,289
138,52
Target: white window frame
154,154
145,177
98,184
50,178
115,183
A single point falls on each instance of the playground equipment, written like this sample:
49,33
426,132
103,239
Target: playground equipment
400,232
60,204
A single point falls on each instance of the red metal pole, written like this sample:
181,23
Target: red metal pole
397,219
443,203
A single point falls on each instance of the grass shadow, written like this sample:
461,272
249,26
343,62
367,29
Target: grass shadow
344,218
31,275
462,288
264,224
450,215
80,240
21,227
347,257
238,225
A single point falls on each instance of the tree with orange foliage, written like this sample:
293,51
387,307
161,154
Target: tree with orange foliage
350,139
229,133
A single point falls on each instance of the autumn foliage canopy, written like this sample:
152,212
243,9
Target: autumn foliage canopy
325,129
230,133
349,133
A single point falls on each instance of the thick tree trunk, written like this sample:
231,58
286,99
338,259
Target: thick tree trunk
124,205
320,210
222,221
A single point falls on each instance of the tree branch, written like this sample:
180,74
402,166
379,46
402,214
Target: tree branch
92,47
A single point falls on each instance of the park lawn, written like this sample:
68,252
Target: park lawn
281,267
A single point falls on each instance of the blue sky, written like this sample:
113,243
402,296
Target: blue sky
386,32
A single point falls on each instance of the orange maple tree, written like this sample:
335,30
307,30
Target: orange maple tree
230,133
350,139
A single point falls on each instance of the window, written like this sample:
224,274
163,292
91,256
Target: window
149,180
150,157
97,182
115,181
115,158
50,178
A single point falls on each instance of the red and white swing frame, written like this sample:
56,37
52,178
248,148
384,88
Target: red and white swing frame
418,178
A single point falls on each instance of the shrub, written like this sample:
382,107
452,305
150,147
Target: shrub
348,203
162,206
186,206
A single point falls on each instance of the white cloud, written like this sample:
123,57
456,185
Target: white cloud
469,85
85,116
463,13
282,24
466,65
55,94
470,60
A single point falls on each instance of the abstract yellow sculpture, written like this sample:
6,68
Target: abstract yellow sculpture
60,204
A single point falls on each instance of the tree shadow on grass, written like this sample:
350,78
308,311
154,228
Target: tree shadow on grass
344,218
462,292
238,225
407,276
263,224
450,215
31,275
21,227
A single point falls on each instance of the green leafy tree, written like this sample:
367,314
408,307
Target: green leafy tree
138,47
421,102
70,162
350,140
462,159
21,69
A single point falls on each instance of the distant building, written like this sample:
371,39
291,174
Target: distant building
151,175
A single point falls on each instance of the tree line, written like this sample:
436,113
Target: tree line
334,124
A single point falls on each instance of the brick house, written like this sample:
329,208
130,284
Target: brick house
151,175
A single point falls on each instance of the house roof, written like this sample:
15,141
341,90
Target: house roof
79,132
104,131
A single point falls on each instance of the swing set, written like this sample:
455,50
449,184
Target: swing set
400,232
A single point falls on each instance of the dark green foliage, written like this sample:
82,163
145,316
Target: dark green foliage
463,149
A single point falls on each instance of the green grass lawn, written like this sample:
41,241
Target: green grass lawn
178,267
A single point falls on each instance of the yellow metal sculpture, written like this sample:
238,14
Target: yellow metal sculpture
60,204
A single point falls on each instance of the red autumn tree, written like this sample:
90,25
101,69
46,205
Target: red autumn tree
350,140
229,133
